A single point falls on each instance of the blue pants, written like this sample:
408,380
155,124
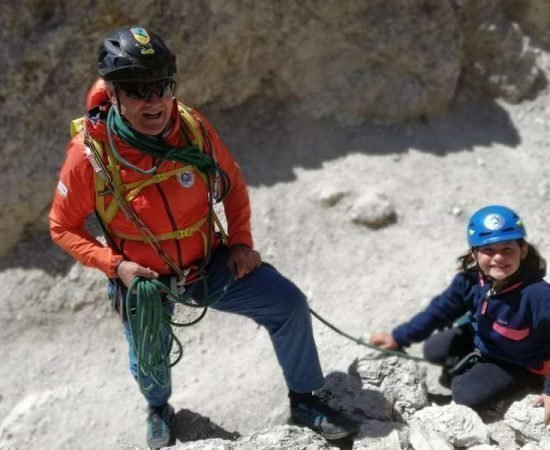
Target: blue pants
482,383
273,302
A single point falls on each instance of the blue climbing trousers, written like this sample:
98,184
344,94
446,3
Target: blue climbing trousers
273,302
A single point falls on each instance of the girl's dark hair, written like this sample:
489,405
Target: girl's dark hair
532,266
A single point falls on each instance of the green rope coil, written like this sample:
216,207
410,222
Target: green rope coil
151,335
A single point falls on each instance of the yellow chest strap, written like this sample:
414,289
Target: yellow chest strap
131,190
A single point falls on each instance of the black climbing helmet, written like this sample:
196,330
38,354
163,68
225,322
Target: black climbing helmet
134,54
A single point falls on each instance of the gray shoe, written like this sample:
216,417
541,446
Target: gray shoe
320,417
158,426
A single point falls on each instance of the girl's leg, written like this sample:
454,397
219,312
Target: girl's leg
487,382
447,347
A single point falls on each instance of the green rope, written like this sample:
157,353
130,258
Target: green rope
156,147
151,335
360,341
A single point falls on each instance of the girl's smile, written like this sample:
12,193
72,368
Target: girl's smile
499,261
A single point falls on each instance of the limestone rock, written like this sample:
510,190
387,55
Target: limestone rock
459,425
425,438
527,420
376,435
374,210
533,16
326,58
394,387
497,60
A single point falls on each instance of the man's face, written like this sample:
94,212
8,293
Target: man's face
147,106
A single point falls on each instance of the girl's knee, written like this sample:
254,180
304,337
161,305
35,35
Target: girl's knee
466,395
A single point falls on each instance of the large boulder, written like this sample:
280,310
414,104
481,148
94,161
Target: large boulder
349,60
533,16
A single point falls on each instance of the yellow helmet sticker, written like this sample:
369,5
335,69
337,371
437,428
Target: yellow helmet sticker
140,35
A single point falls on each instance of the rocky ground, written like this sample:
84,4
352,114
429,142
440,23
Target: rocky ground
65,381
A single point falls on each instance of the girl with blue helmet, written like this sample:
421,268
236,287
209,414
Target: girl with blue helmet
504,346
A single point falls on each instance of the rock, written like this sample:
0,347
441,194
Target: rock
373,210
349,61
533,16
527,420
330,195
392,388
376,435
425,438
278,438
459,425
496,59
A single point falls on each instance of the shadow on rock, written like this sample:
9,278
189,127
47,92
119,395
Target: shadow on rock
188,426
270,139
375,416
38,251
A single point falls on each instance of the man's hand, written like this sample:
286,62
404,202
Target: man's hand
128,270
544,400
243,260
384,340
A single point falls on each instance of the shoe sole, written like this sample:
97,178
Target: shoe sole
158,443
328,437
335,437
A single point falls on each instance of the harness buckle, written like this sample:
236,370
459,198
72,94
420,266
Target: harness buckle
177,284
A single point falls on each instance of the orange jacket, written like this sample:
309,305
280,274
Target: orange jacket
164,207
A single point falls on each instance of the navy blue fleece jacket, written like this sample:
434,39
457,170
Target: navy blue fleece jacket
512,326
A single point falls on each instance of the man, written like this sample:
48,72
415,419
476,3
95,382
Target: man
151,169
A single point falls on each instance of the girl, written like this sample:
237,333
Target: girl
506,340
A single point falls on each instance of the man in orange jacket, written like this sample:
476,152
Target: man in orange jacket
151,170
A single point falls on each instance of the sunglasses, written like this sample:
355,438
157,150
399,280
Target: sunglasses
143,91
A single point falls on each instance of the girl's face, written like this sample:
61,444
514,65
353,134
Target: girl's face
499,261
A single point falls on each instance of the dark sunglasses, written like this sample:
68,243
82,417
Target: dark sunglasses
143,91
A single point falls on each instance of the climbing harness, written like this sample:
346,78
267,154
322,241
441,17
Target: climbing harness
148,302
465,363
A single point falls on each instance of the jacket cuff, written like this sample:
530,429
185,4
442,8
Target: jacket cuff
242,238
399,335
113,266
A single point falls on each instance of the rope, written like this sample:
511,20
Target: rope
151,334
218,181
156,147
360,341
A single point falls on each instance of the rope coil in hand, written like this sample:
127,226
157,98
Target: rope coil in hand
150,321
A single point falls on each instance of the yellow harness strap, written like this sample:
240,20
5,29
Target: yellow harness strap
131,190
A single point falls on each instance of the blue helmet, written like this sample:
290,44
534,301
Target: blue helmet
494,224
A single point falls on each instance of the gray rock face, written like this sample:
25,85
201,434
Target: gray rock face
496,58
327,58
457,425
385,389
350,61
533,16
527,420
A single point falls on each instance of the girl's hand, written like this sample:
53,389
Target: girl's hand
541,400
384,340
